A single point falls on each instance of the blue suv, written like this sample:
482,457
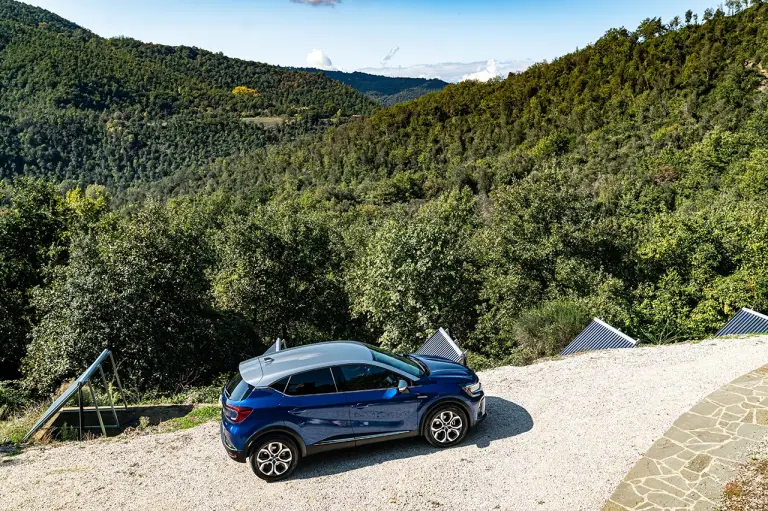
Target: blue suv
296,402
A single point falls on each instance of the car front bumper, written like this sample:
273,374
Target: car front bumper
481,411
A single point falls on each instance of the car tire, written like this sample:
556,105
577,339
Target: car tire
274,457
446,425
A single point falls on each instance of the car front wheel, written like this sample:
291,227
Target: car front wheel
446,426
274,457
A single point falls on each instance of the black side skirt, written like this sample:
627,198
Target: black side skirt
356,442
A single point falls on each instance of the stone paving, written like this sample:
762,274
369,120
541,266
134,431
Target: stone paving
687,468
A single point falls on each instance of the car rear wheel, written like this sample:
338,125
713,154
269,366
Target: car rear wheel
446,426
274,457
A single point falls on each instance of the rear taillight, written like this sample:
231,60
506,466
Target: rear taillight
236,413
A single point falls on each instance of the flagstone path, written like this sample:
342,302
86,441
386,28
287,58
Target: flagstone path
687,468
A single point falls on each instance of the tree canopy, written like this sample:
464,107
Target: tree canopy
626,180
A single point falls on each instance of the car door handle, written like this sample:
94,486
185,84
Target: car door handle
297,411
360,406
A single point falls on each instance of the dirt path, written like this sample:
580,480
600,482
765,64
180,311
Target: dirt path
560,435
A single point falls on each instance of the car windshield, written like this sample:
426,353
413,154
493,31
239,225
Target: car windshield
404,364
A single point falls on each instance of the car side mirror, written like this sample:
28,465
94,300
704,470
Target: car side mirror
402,386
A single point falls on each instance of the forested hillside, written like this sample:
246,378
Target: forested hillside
78,107
602,109
386,90
626,180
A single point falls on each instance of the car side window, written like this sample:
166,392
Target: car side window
368,377
279,385
318,381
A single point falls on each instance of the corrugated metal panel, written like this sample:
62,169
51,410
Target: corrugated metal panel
277,346
746,321
599,336
67,395
441,345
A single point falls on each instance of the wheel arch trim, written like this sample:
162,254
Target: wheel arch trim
441,402
276,429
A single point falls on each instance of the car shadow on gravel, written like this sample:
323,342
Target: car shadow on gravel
505,420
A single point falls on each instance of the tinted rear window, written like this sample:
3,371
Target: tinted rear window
279,385
319,381
237,389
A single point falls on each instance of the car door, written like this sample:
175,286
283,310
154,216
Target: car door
313,407
376,407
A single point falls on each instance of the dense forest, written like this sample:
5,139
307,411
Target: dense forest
626,180
78,107
386,90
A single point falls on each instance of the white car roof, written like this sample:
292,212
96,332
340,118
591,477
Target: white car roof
264,370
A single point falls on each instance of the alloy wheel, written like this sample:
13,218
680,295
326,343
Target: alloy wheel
446,427
274,459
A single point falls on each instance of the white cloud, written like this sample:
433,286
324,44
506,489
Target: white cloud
390,55
318,59
453,71
491,71
316,3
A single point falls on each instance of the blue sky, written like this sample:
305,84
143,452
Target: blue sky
448,38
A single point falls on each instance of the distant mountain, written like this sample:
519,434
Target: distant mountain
386,90
632,100
114,111
35,17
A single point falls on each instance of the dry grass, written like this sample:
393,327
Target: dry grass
199,415
749,491
13,429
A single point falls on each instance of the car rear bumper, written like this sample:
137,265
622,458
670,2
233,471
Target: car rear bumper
239,456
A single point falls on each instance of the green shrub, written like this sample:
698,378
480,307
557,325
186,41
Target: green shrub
14,427
12,398
137,286
143,424
545,330
13,431
517,357
194,418
67,433
208,393
417,274
479,362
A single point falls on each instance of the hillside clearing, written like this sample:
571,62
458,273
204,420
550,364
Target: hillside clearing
560,435
266,122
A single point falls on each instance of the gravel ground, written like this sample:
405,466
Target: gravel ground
749,490
560,436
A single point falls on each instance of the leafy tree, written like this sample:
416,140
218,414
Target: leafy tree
136,286
650,28
417,275
625,180
34,221
545,241
281,269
